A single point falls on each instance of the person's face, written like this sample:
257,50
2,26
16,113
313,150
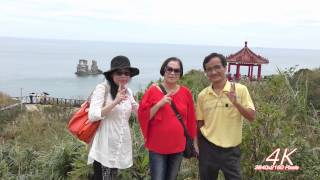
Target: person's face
215,70
172,72
121,76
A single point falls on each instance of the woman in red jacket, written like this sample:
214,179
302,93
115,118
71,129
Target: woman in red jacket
162,131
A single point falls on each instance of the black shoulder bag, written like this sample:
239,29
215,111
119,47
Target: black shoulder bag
189,150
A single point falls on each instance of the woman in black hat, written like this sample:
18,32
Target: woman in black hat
112,103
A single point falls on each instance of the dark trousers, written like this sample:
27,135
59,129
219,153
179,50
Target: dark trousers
164,166
213,158
103,173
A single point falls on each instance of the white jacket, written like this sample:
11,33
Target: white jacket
111,145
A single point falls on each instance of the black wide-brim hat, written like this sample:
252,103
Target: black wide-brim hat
121,62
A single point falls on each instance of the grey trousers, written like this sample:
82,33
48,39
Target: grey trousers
213,158
103,173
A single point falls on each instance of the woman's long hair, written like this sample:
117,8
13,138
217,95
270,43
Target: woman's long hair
113,87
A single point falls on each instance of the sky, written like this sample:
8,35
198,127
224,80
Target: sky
263,23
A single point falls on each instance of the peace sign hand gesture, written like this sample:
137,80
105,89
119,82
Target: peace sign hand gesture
121,95
232,95
166,99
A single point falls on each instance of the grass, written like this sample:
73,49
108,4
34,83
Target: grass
5,100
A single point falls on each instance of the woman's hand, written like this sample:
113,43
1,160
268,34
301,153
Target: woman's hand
121,95
165,99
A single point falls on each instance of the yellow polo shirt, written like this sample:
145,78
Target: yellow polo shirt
222,121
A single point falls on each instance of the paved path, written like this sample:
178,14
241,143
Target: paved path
10,106
31,107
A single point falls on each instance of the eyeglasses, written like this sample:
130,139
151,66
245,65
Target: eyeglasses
120,73
215,68
170,70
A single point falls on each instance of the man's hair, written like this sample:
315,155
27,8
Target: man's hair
166,62
213,55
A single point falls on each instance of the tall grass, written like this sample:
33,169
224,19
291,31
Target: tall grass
285,119
36,145
6,100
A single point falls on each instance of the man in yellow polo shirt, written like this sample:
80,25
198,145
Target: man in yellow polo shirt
221,108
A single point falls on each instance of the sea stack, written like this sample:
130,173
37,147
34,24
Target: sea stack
84,70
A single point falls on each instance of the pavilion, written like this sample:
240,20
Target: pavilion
245,57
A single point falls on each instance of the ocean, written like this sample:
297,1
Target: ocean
41,65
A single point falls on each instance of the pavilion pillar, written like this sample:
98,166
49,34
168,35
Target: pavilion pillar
249,69
251,72
259,72
229,75
238,72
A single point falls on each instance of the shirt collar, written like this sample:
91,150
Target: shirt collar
226,88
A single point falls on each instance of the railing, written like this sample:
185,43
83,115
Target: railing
49,100
44,101
232,77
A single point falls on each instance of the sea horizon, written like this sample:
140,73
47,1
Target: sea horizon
152,43
48,65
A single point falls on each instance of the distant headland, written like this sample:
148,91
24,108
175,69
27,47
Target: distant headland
84,70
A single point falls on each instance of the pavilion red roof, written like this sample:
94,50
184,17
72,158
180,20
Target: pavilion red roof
246,56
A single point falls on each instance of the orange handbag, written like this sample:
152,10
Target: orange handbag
79,124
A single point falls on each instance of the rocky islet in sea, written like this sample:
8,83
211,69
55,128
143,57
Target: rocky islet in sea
84,70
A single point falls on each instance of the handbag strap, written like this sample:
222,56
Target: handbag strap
107,87
175,110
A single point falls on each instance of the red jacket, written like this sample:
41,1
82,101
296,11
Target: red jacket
164,133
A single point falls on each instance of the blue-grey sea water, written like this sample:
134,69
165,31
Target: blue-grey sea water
37,65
